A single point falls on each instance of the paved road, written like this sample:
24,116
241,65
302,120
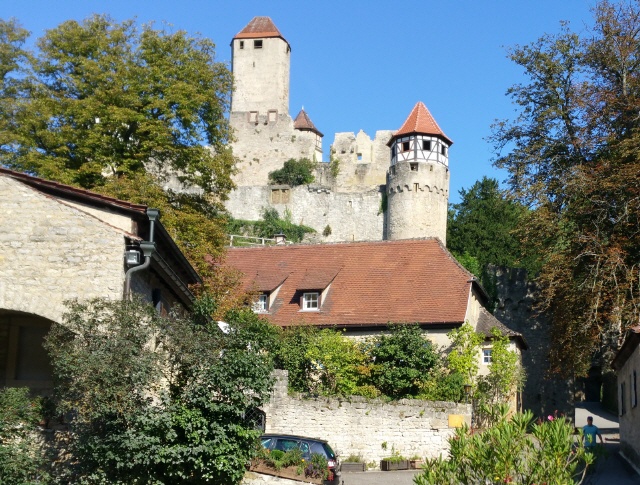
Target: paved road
403,477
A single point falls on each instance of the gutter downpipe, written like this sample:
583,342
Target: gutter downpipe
147,247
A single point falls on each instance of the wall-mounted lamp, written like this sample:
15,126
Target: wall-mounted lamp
132,257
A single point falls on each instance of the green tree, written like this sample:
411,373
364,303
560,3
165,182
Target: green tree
270,225
159,400
482,225
402,361
464,354
294,172
571,156
123,111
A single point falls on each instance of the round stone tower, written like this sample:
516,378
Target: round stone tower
260,63
418,179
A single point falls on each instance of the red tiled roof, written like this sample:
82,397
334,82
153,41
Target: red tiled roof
260,27
420,121
303,122
371,283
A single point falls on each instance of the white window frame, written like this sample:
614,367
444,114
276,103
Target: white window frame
486,356
311,301
261,305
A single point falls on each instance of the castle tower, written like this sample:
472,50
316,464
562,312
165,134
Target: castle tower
260,63
305,126
418,179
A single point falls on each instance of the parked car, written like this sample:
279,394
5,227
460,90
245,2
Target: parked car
308,446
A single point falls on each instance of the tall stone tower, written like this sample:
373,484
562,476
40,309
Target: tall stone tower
418,179
266,136
260,63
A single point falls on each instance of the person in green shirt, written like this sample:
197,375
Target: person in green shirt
590,431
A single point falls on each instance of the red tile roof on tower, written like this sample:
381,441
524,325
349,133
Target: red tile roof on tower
260,27
303,122
365,284
420,121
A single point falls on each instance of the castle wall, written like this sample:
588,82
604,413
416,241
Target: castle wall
542,394
350,216
264,145
363,162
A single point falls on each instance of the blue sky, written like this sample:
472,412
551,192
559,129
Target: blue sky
364,64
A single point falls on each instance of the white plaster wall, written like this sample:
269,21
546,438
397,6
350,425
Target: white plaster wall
630,420
50,252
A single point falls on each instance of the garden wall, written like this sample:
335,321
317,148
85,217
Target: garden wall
361,426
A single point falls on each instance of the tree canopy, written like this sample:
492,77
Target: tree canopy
571,155
131,112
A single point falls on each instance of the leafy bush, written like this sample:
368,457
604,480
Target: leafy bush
403,360
443,386
270,225
159,400
318,467
338,363
294,172
22,453
512,451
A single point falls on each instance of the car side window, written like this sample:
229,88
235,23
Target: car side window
317,448
266,442
286,444
304,447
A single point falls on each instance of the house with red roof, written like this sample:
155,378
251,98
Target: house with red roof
362,287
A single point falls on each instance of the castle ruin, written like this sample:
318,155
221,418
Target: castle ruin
394,186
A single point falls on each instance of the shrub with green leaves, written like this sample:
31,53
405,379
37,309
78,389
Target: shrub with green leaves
403,360
294,172
515,450
22,452
159,400
270,225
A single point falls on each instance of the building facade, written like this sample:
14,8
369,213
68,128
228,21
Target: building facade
61,243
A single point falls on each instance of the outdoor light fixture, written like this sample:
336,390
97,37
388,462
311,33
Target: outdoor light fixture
280,238
132,257
467,391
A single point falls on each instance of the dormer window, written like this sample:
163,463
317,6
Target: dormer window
311,301
261,305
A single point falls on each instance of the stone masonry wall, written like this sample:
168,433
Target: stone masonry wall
360,426
542,394
52,252
350,216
